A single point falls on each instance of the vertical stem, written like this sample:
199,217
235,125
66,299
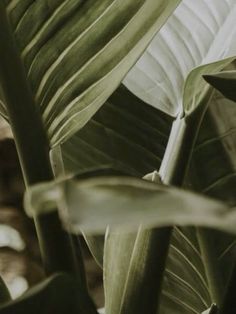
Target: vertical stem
173,169
175,165
149,263
177,154
33,149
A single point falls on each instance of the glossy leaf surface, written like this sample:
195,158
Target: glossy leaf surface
76,52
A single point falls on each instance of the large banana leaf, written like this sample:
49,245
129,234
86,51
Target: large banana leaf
76,53
125,133
197,34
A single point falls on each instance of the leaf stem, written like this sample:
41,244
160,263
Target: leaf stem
175,164
32,144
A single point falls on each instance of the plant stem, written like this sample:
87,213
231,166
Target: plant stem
33,149
146,271
177,154
174,167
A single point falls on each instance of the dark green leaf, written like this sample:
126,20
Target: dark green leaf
125,134
57,294
225,82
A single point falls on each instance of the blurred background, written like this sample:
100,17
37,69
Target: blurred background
20,263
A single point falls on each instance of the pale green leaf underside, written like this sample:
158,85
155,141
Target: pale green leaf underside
199,32
76,52
127,202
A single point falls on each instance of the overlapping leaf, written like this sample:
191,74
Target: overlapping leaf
95,203
185,248
125,133
199,32
225,82
127,202
213,167
76,52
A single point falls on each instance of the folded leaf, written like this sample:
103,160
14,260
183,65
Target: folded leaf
76,52
198,33
225,82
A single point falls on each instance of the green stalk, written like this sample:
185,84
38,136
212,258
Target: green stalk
152,246
173,170
174,167
32,144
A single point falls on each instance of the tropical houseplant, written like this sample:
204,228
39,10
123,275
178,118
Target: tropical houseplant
61,66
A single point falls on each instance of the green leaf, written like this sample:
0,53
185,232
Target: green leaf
125,134
118,245
213,165
123,128
76,52
117,255
225,82
125,201
213,172
169,66
56,294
